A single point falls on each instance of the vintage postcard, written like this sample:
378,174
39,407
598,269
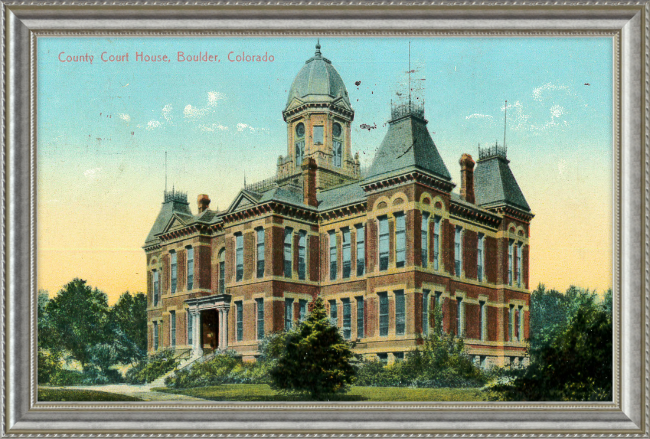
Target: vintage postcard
325,218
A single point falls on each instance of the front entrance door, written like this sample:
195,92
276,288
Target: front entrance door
210,329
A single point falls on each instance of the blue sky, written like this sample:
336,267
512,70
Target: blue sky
103,129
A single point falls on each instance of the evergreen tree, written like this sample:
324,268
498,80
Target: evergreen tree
315,358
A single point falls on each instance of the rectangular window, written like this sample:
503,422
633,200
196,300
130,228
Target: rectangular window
347,319
346,250
318,135
360,317
383,314
260,253
460,317
361,250
156,287
519,265
190,268
172,328
479,258
155,336
288,254
482,320
302,255
239,257
332,255
436,243
174,269
400,313
288,313
425,239
333,313
300,151
458,250
190,328
521,323
259,303
337,150
425,312
303,310
511,244
400,240
511,323
222,271
383,243
240,320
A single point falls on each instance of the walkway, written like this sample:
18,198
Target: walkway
142,391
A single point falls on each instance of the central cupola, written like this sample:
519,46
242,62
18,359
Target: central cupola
319,117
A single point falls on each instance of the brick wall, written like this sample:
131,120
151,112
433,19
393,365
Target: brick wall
525,256
202,271
371,245
181,270
249,255
413,235
491,258
472,320
277,247
470,253
314,258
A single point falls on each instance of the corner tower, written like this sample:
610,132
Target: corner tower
319,117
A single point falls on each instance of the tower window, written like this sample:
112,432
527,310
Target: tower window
337,152
336,130
318,135
300,151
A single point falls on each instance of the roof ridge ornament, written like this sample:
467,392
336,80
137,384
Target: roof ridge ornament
318,53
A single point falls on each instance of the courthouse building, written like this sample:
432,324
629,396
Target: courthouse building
382,249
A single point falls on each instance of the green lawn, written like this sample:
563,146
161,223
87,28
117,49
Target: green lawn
45,394
263,392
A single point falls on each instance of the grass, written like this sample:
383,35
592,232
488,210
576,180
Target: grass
45,394
263,392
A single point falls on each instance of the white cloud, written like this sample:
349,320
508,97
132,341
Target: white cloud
557,111
212,128
124,117
479,116
192,112
214,97
241,127
153,124
92,174
167,112
540,91
517,119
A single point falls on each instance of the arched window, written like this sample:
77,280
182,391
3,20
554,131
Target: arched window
300,143
337,145
222,271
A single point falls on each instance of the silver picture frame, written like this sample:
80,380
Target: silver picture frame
627,23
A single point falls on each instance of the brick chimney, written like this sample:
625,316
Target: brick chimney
309,181
467,178
204,202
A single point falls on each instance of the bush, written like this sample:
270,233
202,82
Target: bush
65,377
148,369
224,368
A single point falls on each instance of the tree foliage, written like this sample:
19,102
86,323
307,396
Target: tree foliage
313,357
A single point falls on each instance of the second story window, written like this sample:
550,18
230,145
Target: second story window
383,243
458,250
479,258
318,135
361,250
436,243
519,265
400,240
511,245
222,271
425,239
400,313
239,257
288,254
332,237
346,250
156,287
174,270
260,253
302,255
190,268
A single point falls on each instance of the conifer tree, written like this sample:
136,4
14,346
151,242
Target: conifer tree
315,358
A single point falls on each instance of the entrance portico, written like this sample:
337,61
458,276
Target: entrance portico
209,316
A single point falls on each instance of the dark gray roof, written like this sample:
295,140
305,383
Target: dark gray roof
340,196
494,184
407,146
287,194
168,209
318,81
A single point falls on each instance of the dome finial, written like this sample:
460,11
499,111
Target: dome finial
318,47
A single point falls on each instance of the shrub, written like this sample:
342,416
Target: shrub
148,369
225,368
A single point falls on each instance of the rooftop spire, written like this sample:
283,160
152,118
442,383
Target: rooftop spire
318,48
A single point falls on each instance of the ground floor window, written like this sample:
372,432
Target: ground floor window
347,319
383,314
240,320
172,328
260,318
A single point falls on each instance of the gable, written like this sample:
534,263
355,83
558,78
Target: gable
175,223
295,102
241,202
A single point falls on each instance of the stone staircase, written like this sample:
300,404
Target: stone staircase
185,364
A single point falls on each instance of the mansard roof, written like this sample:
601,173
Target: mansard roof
495,185
407,146
340,196
175,204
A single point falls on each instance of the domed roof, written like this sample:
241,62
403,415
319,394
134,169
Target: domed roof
318,81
